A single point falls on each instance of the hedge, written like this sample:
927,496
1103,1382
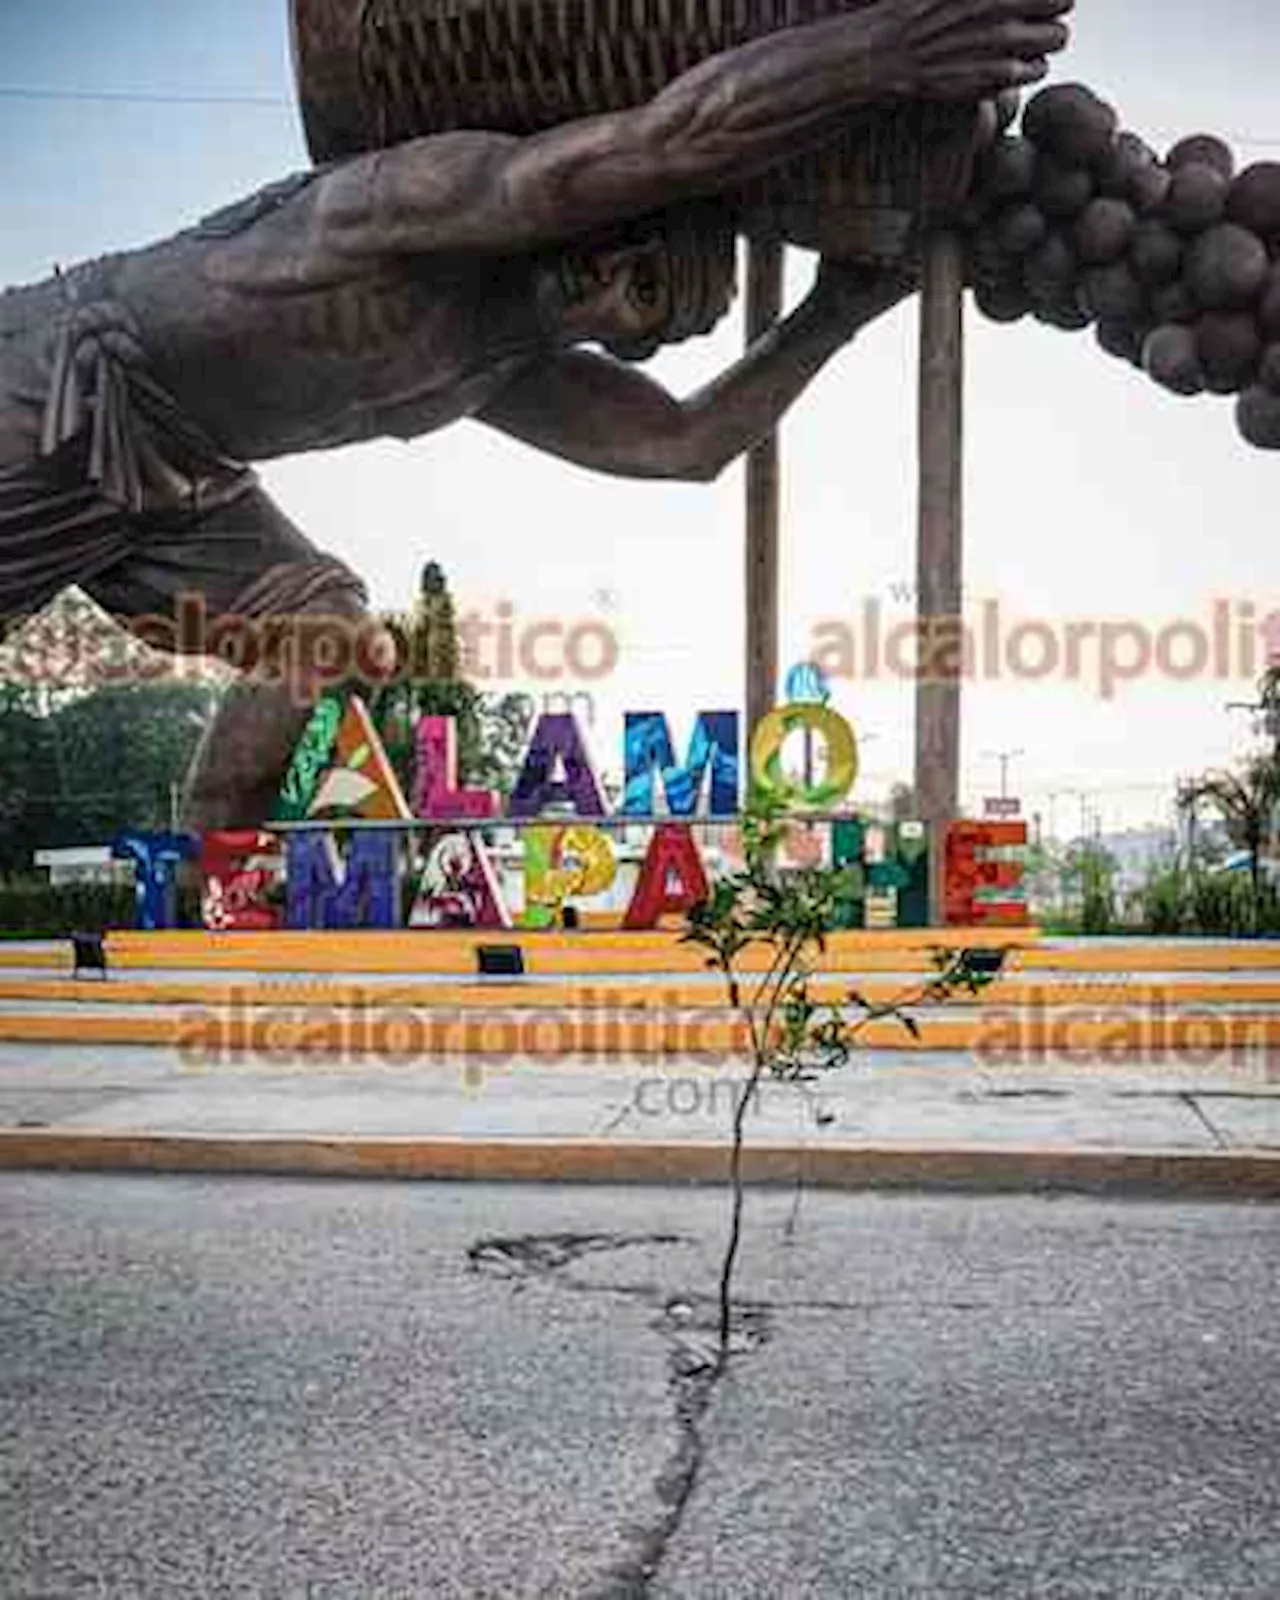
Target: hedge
34,909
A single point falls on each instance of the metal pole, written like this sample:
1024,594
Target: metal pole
765,262
940,572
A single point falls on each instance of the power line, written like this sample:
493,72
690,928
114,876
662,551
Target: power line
233,98
121,97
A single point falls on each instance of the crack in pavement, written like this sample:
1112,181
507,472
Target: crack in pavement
690,1326
1201,1116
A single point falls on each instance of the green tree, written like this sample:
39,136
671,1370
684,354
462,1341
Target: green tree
491,731
95,735
783,918
24,760
1044,872
505,724
114,759
1268,707
1246,801
1089,873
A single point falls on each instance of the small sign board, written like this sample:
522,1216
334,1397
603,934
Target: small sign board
1006,808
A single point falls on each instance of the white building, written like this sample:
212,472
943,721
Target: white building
84,864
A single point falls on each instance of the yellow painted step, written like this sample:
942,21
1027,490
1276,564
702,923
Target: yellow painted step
601,954
533,995
407,1036
452,953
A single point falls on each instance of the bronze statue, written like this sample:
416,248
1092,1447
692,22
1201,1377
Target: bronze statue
394,292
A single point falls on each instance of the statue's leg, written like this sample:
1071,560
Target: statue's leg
244,585
242,759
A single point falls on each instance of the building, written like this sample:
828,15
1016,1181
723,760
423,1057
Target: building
83,864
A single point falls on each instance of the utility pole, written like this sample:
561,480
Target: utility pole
765,268
940,552
1004,757
1054,796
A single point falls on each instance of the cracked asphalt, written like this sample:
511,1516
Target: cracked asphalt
314,1389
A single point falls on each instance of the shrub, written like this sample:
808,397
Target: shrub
33,909
1161,904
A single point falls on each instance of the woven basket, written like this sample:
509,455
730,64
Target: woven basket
372,73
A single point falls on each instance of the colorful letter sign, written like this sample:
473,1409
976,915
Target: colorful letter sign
312,756
557,743
360,781
671,880
649,754
340,769
772,733
435,782
983,880
563,863
458,887
239,869
156,858
324,891
340,772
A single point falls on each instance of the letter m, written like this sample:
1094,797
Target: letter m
323,892
713,750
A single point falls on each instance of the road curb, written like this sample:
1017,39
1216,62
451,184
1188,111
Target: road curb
1238,1175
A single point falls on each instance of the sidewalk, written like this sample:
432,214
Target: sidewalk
937,1120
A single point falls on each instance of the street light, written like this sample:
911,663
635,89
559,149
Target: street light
1054,795
1004,757
1086,797
200,721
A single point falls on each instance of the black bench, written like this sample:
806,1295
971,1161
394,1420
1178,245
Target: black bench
89,953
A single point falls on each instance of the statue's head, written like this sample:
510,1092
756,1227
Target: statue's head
658,281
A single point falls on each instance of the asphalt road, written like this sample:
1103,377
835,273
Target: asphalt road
332,1391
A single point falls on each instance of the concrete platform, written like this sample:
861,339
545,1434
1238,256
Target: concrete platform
937,1120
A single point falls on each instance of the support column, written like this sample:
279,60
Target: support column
765,260
940,576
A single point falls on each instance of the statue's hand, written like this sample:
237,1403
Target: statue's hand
966,49
855,294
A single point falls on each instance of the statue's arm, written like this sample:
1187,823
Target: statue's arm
602,414
723,121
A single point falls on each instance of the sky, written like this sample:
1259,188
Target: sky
1093,499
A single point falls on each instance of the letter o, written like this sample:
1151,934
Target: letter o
608,651
1049,651
1199,651
771,734
399,1037
1199,1038
674,1105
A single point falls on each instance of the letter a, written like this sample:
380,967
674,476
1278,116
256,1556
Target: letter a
671,880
